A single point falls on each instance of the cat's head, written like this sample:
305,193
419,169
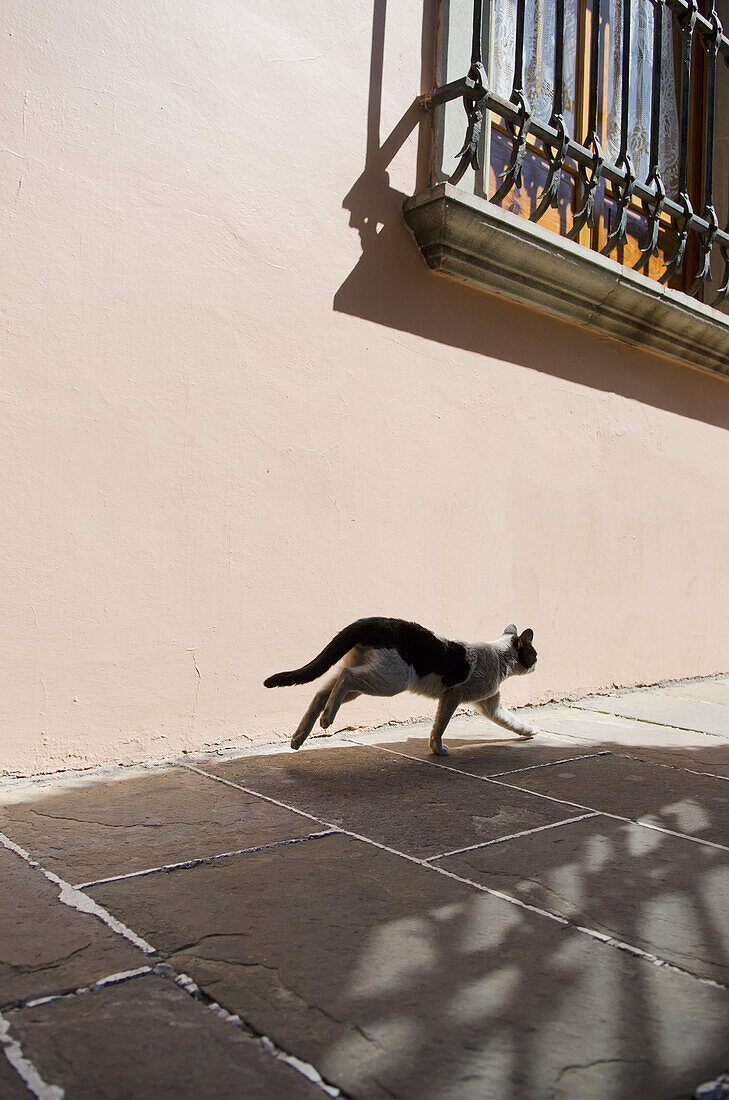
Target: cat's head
525,651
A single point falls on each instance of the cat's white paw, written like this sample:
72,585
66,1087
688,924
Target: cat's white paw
528,734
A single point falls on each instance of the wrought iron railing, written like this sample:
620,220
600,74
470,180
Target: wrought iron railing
591,162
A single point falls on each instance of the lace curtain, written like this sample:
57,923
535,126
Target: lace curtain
539,74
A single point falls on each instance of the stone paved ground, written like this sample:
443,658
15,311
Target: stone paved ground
543,920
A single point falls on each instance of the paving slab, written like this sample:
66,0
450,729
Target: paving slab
47,947
394,980
663,709
709,691
476,748
696,805
11,1085
89,830
407,805
147,1038
663,894
659,744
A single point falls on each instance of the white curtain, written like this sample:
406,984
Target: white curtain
539,74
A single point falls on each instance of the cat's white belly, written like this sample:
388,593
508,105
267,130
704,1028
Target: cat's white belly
430,685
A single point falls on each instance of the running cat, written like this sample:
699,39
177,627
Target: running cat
387,656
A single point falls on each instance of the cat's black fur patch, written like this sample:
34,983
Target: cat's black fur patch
419,647
527,652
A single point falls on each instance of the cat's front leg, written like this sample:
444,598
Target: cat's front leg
446,710
499,714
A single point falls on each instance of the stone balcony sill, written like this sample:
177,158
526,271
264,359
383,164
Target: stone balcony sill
468,238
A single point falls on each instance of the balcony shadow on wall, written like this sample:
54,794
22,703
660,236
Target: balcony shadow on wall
392,286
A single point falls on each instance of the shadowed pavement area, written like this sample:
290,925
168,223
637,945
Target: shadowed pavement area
539,919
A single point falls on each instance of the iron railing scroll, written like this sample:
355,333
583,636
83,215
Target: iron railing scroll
589,157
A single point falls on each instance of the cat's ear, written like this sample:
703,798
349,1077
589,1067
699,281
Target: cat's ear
510,629
527,636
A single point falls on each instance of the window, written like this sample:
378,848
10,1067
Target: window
594,120
596,45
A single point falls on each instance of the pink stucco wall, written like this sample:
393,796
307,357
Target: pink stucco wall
238,411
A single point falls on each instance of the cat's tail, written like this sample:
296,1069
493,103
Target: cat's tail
340,644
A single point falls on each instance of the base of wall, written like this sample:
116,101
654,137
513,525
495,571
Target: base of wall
231,748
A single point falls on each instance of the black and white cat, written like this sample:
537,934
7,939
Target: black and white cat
387,656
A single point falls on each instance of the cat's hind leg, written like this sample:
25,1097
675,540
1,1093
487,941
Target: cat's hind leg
384,673
316,706
499,714
345,687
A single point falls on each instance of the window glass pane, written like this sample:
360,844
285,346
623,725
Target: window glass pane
539,37
641,84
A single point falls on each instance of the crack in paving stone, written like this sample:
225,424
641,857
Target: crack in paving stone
25,1069
208,936
190,986
109,824
198,860
102,983
346,1025
577,1067
30,968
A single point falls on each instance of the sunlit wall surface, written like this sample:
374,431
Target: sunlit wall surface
238,411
